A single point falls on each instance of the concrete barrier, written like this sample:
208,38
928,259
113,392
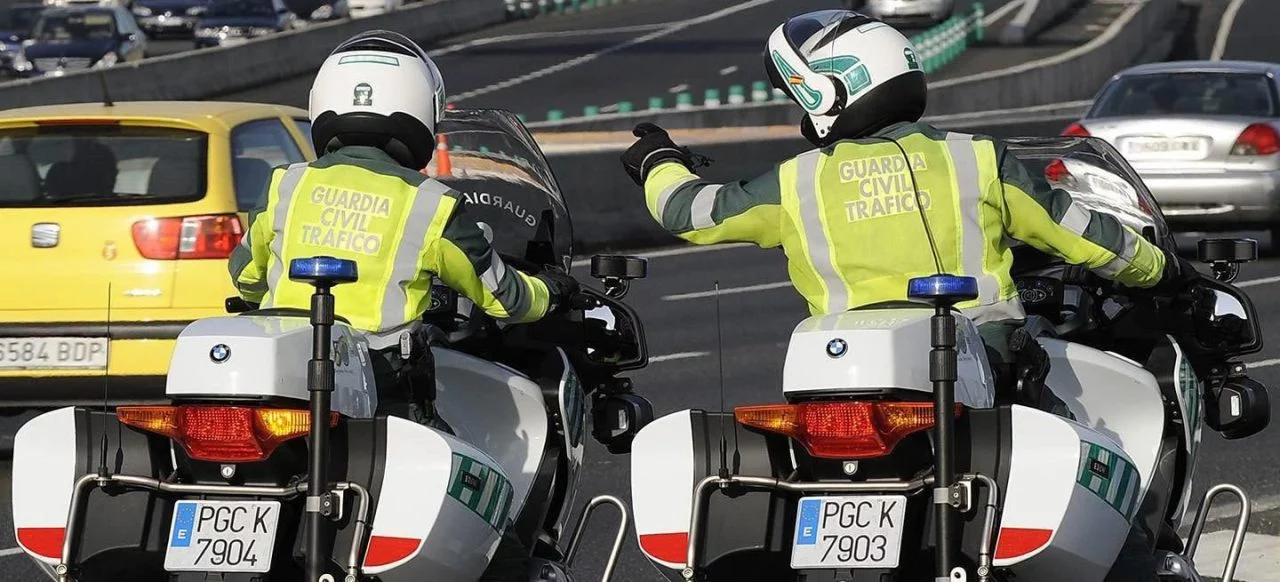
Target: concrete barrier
1074,74
1033,17
211,72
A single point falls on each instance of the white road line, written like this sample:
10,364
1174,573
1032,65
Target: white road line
462,46
1262,363
728,291
1001,12
1256,282
677,27
677,356
10,552
678,89
1259,560
1224,29
690,250
728,70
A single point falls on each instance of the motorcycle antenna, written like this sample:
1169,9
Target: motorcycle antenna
106,384
724,441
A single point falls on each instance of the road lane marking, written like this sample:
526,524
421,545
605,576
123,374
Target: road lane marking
1001,12
462,46
729,70
677,356
727,291
10,552
569,64
1224,29
1256,282
675,252
1262,363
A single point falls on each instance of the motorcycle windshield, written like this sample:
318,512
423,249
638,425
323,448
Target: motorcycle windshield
1096,176
507,184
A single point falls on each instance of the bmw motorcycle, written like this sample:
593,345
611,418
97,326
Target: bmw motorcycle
271,460
896,457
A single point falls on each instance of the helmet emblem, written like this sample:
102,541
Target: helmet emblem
220,353
363,95
912,62
837,348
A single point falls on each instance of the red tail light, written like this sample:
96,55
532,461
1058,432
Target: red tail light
227,434
1056,171
1075,130
1258,139
191,237
842,430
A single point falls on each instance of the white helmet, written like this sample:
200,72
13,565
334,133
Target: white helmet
380,89
852,74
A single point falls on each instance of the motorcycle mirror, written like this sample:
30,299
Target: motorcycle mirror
1239,408
1225,323
1224,255
616,418
617,272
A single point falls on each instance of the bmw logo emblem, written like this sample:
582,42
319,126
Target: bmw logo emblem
221,353
837,347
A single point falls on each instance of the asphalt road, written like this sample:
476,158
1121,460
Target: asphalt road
628,52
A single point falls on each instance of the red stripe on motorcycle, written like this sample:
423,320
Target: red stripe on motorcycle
1015,542
45,541
668,547
385,550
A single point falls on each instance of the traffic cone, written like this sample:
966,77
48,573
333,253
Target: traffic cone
443,166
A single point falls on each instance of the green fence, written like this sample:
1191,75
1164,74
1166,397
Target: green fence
935,47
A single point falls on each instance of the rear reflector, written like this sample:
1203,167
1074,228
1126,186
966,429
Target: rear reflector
1015,542
842,430
227,434
191,237
44,541
668,547
1258,139
1075,130
385,550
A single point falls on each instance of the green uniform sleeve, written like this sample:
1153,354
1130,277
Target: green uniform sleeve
250,259
1051,221
702,212
463,259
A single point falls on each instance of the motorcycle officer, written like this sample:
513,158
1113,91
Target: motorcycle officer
374,108
886,198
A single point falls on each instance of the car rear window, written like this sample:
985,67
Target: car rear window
1189,94
101,165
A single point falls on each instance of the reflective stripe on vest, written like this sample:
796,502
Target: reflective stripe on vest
837,292
284,199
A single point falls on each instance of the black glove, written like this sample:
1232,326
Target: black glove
1179,273
562,287
655,146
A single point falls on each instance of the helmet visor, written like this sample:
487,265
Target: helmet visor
802,31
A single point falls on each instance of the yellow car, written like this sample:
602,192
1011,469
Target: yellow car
116,222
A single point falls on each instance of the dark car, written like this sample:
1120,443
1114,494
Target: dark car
168,17
231,22
77,38
16,22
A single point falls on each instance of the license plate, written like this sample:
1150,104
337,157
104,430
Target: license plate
53,353
222,536
1188,147
849,531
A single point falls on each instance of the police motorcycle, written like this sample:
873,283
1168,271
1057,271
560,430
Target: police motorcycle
897,458
267,461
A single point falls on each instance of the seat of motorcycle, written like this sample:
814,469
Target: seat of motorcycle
288,312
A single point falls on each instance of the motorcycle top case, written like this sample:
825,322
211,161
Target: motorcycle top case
1069,493
877,349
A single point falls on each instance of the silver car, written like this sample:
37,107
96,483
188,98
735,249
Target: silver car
905,11
1204,136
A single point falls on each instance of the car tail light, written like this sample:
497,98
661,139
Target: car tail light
191,237
222,433
1075,130
842,430
1258,139
1056,171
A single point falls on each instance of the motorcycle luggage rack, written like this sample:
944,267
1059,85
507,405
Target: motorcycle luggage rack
1237,537
960,497
85,483
616,551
